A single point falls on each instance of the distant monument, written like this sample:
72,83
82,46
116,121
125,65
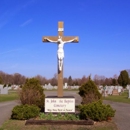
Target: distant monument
59,103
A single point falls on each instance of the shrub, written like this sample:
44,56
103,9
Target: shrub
89,92
96,111
22,112
32,93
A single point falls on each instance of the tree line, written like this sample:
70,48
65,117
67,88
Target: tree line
19,79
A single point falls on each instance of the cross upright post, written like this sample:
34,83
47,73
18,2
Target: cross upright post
60,73
60,40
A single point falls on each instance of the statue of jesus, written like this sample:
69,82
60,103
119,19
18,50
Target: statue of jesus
60,51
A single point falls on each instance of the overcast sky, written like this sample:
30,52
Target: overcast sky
103,27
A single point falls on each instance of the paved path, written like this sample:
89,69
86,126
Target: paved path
122,116
5,110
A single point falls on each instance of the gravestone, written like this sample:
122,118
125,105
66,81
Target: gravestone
65,86
119,90
54,87
128,87
115,92
128,90
3,90
9,88
105,91
16,87
60,103
129,93
49,86
110,90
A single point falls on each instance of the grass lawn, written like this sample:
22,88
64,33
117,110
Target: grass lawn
121,98
20,125
12,95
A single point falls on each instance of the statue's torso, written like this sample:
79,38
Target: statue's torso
60,47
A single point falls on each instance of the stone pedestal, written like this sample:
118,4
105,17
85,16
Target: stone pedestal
65,104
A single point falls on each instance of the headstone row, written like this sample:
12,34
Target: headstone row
50,87
110,90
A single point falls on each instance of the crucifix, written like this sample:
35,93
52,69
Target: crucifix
60,40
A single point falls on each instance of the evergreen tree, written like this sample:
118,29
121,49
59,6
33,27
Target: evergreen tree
123,78
32,93
114,82
70,81
89,92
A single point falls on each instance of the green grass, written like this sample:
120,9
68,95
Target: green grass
12,95
121,98
20,125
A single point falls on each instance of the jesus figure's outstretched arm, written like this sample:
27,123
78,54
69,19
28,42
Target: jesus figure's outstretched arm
50,40
70,40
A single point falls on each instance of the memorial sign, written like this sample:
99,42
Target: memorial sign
62,105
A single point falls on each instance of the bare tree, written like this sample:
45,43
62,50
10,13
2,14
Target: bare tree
54,80
97,79
17,79
84,79
3,77
65,80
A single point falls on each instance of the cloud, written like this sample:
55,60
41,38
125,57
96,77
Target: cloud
26,23
28,3
9,51
14,66
7,15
